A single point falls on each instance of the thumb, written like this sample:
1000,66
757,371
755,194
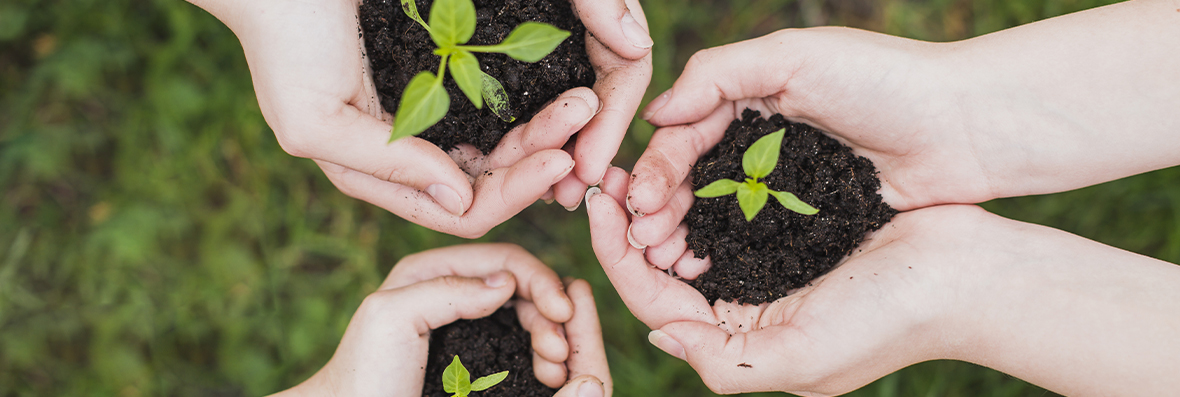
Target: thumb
434,303
620,26
747,69
582,386
728,364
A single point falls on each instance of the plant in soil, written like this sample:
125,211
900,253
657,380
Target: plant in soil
494,344
752,195
760,259
456,379
452,23
401,46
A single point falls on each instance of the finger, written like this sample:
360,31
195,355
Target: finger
548,339
689,267
584,332
569,192
499,194
665,254
747,69
620,85
583,386
550,128
655,228
669,157
653,296
442,300
620,26
360,142
536,282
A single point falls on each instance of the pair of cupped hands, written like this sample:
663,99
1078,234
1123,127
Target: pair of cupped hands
912,292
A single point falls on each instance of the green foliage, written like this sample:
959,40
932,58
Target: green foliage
452,23
758,162
457,380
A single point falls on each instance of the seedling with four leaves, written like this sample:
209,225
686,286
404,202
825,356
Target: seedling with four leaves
457,380
752,195
452,23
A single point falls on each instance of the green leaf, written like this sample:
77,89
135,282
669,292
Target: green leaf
762,156
484,383
423,104
496,97
752,197
793,203
718,188
529,42
411,10
456,378
452,22
465,70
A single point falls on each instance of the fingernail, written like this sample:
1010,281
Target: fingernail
635,32
631,239
656,105
446,197
664,342
548,197
497,279
590,388
632,209
574,207
562,175
591,192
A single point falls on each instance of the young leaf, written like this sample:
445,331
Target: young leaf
529,42
465,71
456,379
752,198
484,383
762,156
496,97
411,10
424,103
452,22
718,188
793,203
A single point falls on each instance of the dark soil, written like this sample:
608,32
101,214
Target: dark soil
399,48
759,261
486,346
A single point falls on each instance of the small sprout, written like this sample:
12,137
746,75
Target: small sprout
452,22
457,380
752,195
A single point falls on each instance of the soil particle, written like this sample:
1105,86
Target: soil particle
486,346
399,49
759,261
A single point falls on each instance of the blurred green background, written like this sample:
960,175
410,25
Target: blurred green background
155,240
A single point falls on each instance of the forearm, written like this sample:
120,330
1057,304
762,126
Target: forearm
1072,315
1075,100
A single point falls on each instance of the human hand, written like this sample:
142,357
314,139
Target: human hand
383,351
886,97
313,87
878,312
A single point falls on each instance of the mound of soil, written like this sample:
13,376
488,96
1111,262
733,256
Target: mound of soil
399,49
486,346
759,261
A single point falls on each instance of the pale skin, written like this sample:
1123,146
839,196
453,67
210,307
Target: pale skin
1046,107
383,351
944,282
315,91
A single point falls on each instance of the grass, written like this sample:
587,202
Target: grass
155,240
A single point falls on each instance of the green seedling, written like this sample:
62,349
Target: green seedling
752,195
452,23
457,380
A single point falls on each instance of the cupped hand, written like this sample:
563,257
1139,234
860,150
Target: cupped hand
884,308
892,100
314,88
383,351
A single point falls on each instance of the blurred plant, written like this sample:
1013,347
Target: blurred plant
758,162
452,23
